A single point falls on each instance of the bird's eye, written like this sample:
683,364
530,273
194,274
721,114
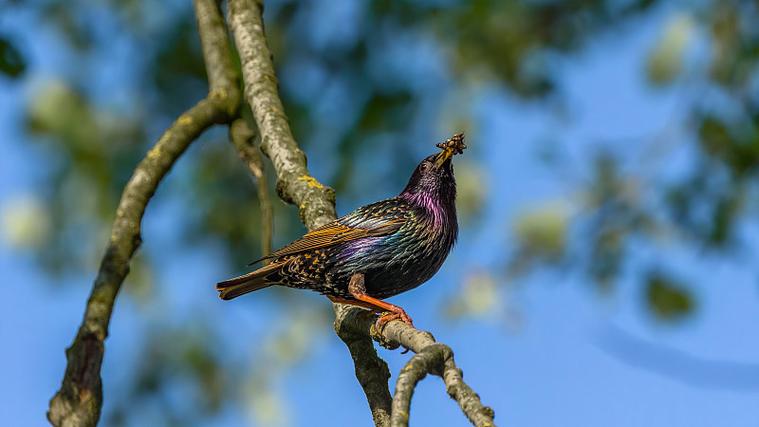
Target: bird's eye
426,166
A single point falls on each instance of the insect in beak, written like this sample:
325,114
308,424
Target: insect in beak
452,146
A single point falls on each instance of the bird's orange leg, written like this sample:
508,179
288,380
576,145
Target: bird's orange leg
390,312
354,303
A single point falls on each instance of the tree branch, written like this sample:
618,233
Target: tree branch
431,358
315,201
424,362
223,80
243,138
79,400
371,371
316,204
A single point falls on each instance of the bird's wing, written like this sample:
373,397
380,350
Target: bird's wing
350,227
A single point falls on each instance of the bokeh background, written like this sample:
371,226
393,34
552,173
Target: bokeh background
606,272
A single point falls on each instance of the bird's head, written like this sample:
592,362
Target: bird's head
433,178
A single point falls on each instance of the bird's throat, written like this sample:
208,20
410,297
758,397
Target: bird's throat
440,210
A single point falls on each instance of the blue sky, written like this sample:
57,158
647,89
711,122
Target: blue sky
556,368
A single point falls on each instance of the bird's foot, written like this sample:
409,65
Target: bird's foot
382,321
389,316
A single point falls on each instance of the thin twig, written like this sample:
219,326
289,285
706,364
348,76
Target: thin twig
223,78
316,204
244,140
79,400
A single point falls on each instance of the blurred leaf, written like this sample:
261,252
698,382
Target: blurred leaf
25,222
12,62
614,215
287,344
292,341
542,230
714,136
204,365
665,61
189,365
177,68
734,143
472,190
382,111
726,38
606,258
668,299
74,24
58,109
268,408
141,280
724,218
478,296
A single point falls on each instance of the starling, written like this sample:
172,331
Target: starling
376,251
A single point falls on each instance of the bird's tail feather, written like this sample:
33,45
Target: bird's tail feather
253,281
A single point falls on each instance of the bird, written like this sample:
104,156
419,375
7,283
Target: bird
375,252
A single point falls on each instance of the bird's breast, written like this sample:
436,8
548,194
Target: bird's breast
399,262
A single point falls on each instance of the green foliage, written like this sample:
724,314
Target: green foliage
12,62
361,106
85,182
668,299
478,297
192,361
736,143
665,61
542,232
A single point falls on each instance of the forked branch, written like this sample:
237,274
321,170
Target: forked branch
316,205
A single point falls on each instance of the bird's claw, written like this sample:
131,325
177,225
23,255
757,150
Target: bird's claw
389,316
383,320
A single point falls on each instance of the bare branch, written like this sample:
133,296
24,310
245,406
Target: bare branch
222,77
371,371
316,203
79,400
243,138
431,358
469,401
424,362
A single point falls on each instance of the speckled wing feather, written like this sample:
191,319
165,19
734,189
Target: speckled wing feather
354,226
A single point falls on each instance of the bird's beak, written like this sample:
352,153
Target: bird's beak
452,146
442,157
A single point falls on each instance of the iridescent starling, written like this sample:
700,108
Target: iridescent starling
376,251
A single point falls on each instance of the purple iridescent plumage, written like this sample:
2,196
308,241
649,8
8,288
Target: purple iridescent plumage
396,244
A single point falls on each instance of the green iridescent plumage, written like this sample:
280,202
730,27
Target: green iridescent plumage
395,244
